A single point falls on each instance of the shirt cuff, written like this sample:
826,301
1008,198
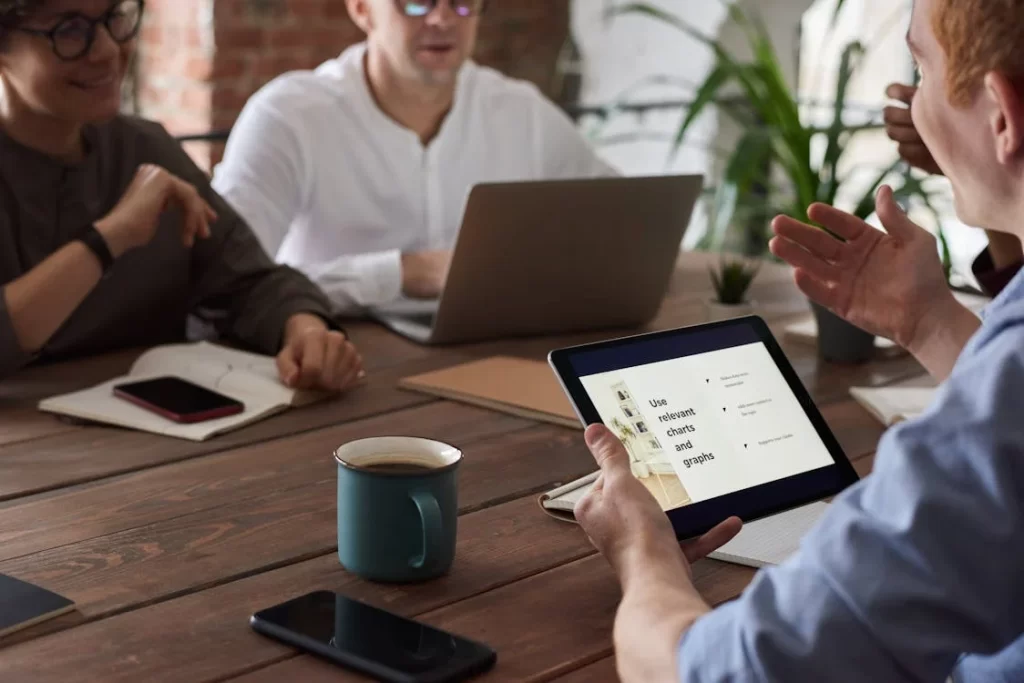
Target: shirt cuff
993,280
379,277
710,649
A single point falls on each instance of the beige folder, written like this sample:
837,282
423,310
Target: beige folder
525,388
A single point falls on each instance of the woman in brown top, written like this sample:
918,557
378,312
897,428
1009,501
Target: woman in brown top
110,236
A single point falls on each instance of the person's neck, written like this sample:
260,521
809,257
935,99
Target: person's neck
418,107
53,137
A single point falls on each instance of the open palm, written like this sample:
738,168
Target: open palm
881,282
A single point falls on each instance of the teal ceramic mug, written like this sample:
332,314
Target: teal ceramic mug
397,508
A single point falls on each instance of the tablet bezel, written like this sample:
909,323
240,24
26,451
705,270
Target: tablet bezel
747,504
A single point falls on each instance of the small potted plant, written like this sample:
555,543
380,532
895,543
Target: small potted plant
732,281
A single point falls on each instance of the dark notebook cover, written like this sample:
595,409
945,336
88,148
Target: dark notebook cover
24,604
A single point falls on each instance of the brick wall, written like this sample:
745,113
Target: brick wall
200,60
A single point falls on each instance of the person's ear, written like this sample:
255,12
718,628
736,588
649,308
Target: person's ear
359,11
1006,116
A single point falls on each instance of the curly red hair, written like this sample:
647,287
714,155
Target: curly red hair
979,36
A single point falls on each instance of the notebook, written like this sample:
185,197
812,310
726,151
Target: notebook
764,542
246,377
23,604
525,388
896,403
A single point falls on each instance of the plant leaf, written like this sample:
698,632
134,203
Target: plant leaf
829,173
706,94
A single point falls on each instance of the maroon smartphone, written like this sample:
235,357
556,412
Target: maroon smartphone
178,400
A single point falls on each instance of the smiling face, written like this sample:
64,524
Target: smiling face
427,50
967,112
82,90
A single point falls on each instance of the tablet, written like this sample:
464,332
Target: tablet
714,418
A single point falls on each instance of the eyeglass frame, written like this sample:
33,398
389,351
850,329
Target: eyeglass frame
105,19
433,6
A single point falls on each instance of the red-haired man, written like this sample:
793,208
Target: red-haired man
914,573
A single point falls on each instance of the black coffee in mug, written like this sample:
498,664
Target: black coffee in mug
397,468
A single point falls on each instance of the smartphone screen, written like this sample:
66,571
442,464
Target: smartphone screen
372,640
178,399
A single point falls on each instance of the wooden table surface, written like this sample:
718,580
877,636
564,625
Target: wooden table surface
168,546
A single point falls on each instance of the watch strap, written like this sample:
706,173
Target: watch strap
96,243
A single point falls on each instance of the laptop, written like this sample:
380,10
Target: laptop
555,257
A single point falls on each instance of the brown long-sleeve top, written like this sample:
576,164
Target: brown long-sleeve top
226,280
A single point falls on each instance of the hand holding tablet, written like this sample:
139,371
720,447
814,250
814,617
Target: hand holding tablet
714,420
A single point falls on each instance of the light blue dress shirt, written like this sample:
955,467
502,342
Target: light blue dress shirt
921,561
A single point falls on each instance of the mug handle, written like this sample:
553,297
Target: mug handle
433,529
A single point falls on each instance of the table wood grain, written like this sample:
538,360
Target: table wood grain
168,546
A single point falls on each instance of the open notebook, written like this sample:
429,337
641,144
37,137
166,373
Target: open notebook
764,542
246,377
526,388
897,402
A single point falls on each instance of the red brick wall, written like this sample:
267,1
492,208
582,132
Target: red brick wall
200,60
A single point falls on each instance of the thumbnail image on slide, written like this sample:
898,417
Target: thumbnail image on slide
648,460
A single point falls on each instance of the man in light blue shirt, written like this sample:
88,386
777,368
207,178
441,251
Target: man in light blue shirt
923,561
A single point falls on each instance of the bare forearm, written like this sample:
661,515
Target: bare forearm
942,337
40,301
659,605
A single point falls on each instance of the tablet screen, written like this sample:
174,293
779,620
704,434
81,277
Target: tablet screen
705,413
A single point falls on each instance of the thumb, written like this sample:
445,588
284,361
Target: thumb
288,365
893,217
608,451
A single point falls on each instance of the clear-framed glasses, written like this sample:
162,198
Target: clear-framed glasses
421,8
72,37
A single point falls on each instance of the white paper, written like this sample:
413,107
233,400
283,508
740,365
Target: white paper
246,377
771,540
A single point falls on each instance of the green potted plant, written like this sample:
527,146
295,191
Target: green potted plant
731,282
776,142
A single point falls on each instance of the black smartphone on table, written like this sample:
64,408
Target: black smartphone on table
373,641
178,399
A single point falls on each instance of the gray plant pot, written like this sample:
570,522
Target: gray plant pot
840,341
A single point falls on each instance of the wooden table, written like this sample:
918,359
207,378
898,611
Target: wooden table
168,546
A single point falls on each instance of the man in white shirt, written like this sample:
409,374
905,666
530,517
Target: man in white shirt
357,173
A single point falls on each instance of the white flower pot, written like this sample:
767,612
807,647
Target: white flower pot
719,311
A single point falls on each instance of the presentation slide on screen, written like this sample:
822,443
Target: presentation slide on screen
709,424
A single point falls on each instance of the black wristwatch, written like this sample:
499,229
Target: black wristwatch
92,238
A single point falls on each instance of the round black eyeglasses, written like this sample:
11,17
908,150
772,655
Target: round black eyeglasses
72,37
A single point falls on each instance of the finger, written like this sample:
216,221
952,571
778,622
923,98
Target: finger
816,290
189,228
917,154
903,134
351,366
311,360
895,220
199,209
607,450
287,367
798,257
898,116
185,195
814,240
589,499
840,223
331,375
352,378
204,212
712,540
900,92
